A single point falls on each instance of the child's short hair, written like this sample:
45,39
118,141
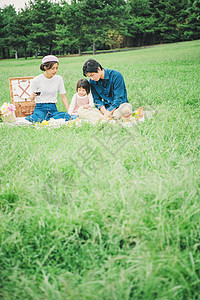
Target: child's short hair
84,83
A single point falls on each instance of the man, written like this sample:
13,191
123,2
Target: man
108,90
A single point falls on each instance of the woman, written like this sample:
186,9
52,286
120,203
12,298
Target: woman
44,90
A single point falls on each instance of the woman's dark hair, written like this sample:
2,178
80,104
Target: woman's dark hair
84,83
91,66
48,65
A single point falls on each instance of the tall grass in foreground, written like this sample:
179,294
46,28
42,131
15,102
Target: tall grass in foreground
124,225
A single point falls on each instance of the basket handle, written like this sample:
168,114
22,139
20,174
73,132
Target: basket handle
27,113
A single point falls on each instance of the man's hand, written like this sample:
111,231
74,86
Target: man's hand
106,115
103,110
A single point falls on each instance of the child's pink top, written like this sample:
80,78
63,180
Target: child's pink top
78,101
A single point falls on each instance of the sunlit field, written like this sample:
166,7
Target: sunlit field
102,212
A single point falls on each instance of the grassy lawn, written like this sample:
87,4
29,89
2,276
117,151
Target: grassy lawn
103,212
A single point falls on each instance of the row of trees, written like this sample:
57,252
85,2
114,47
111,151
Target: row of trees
45,27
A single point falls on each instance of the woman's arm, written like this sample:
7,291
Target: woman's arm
72,105
33,89
65,102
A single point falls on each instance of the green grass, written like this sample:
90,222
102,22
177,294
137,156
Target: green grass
125,224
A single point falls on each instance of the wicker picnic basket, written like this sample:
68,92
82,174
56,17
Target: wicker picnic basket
20,95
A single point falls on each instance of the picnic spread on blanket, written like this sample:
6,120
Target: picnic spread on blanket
135,118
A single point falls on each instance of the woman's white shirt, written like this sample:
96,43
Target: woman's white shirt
48,87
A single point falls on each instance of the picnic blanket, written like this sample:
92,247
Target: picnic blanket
124,121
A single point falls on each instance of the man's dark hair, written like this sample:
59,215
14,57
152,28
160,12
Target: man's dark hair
91,66
84,83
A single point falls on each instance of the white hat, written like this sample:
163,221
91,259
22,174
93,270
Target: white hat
49,58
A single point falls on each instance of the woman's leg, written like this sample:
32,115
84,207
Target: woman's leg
39,113
55,114
73,117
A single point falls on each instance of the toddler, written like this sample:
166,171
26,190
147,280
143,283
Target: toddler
82,98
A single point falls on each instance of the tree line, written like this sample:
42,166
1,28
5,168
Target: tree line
45,27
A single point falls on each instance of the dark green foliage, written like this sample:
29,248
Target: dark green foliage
7,29
43,24
140,22
191,26
45,27
100,18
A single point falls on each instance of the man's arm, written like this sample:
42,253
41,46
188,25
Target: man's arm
118,91
97,98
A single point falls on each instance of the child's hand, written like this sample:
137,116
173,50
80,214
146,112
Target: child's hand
86,106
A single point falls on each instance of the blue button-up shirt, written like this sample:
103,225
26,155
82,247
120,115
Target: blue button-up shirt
110,91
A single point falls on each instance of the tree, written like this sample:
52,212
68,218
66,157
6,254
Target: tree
171,20
8,30
76,28
25,26
191,27
139,23
168,17
43,26
100,16
2,35
69,27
